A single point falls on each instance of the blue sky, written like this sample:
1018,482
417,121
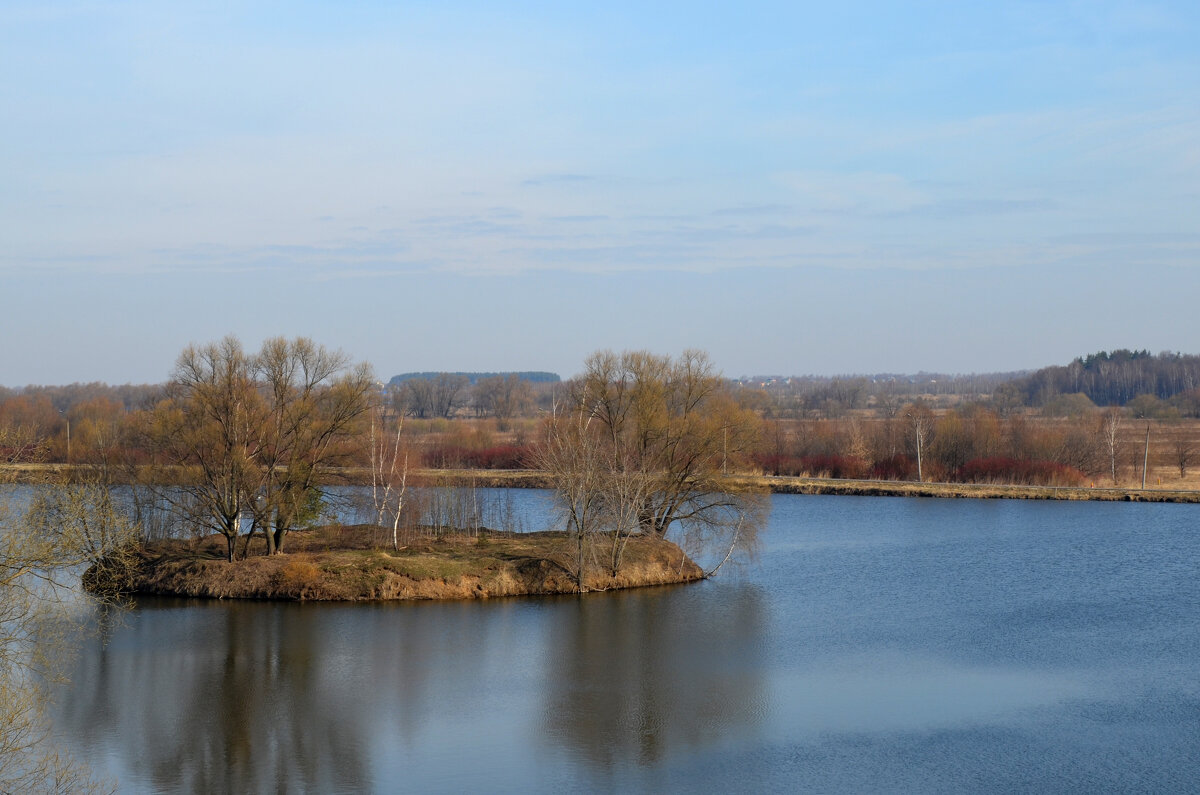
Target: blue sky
795,188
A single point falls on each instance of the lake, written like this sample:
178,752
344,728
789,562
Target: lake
876,644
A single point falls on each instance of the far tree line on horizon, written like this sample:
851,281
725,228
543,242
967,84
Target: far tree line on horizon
1026,429
1106,379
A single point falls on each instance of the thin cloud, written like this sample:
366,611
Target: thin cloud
557,179
959,208
751,210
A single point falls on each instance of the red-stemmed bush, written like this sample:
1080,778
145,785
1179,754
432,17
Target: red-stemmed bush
898,467
999,469
508,456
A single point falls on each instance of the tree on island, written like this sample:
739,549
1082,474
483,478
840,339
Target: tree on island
315,399
256,435
646,444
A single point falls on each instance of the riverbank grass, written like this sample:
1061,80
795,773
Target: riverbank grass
347,563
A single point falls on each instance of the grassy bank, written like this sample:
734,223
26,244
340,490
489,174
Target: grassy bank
347,564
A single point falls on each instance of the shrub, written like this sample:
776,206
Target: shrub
776,464
298,577
1019,471
898,467
509,456
832,466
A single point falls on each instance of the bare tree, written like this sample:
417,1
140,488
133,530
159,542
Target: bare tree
503,397
1080,449
1110,434
210,425
314,399
417,397
643,446
1184,452
572,454
953,443
256,435
439,396
920,425
449,391
389,471
673,418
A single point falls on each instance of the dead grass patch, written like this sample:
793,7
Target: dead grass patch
342,563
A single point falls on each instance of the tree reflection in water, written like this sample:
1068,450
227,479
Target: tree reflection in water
193,696
847,660
242,703
638,676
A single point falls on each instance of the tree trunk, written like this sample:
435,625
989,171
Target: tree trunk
920,472
249,538
230,527
580,537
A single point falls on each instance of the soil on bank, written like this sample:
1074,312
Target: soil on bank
348,563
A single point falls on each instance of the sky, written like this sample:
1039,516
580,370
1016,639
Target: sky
795,188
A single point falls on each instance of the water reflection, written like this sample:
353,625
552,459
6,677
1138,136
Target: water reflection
221,699
635,677
876,645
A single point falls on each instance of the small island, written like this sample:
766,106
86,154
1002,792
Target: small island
345,563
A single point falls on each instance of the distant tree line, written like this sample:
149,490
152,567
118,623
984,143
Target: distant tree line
1113,379
532,376
808,396
503,396
926,426
1119,378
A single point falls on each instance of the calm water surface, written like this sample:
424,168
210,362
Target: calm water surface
875,645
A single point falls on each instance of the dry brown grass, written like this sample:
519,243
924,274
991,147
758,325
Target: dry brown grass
342,563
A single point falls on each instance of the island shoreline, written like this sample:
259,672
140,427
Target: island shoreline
341,563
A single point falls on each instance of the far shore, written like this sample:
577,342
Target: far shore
534,479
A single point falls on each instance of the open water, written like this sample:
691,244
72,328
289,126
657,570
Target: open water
876,645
